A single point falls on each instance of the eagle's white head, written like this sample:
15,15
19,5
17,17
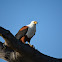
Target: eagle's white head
33,23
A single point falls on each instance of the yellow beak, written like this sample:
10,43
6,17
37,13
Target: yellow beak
35,22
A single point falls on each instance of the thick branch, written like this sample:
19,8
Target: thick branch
23,52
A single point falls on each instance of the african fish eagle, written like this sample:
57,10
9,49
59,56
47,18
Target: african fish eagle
29,31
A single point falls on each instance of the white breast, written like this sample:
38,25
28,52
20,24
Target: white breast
31,31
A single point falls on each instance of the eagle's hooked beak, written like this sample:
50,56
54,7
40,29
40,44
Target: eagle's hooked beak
35,22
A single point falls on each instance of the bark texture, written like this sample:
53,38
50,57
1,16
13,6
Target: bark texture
16,51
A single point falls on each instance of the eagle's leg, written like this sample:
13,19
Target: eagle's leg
30,44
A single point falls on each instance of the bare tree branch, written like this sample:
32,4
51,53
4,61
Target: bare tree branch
16,51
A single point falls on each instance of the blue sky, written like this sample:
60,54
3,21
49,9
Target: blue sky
17,13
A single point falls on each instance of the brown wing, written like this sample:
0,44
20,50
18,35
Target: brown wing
21,32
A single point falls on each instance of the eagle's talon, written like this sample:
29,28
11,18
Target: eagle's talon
31,46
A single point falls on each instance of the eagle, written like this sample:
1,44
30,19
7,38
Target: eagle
27,32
